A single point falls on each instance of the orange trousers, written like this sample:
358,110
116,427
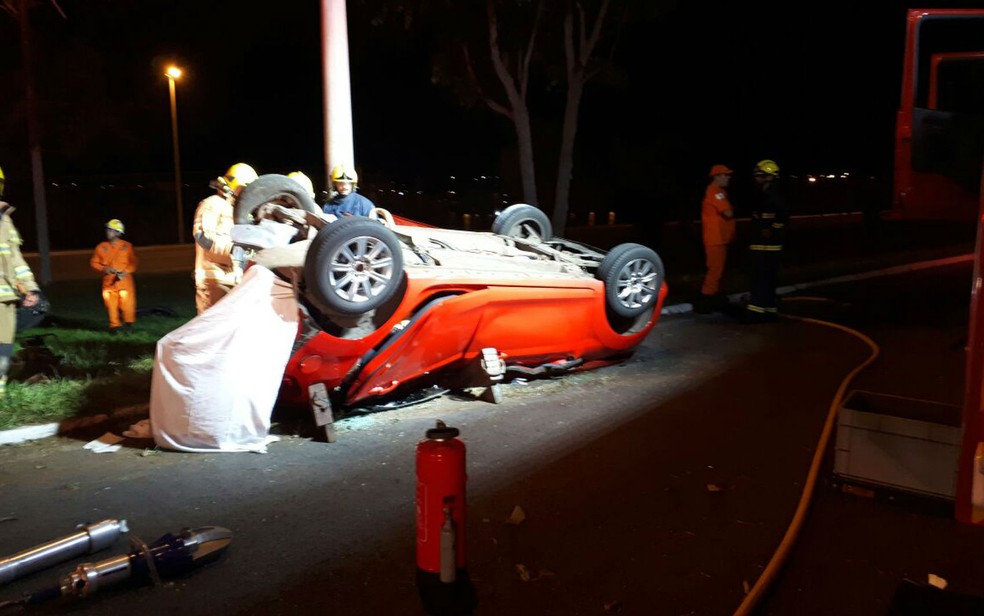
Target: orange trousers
120,299
717,255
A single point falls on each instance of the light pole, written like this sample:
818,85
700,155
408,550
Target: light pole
173,73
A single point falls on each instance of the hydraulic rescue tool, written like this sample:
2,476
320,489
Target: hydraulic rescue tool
168,557
90,538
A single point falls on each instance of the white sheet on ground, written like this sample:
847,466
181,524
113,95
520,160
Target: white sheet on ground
216,378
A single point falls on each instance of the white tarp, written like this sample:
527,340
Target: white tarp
216,377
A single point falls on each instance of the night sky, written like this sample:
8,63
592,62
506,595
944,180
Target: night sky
815,87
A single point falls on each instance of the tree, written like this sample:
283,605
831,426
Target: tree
557,44
473,75
581,40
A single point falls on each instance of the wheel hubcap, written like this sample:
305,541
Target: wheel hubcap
361,269
637,284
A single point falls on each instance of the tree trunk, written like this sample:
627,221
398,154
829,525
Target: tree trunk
524,142
565,163
34,139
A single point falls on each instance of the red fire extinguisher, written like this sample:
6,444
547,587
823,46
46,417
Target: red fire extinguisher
442,576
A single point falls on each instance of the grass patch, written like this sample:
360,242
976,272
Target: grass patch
71,366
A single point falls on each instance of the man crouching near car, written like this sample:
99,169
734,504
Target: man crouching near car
17,285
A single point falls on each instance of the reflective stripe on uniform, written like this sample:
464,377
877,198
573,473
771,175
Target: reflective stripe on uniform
760,309
204,241
767,247
767,215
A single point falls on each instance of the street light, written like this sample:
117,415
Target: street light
173,73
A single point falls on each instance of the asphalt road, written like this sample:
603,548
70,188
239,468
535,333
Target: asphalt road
659,486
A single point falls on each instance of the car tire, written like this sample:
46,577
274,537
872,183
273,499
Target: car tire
633,275
523,221
272,187
353,265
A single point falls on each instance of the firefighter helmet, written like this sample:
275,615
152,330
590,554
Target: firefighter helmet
239,175
766,167
342,173
3,180
303,180
116,225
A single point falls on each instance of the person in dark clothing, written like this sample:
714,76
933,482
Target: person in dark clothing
769,217
347,202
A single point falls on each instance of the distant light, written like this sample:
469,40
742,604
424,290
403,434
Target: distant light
811,179
400,192
831,176
173,72
453,178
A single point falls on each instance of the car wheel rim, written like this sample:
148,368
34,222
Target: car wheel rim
636,285
361,269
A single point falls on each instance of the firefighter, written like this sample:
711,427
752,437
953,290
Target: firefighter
769,218
346,201
116,261
215,271
303,180
17,285
718,222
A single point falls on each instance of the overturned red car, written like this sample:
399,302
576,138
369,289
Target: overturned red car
391,306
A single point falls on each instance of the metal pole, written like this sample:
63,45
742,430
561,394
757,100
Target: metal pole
339,146
177,159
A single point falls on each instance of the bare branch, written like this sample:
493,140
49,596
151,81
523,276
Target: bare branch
570,55
59,9
493,105
527,57
9,6
588,48
579,57
497,62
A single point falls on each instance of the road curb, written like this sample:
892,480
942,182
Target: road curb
27,433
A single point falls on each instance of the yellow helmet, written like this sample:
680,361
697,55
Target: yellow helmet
116,225
239,175
766,167
303,180
342,173
3,180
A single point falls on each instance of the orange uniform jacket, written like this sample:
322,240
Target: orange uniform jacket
118,256
718,230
